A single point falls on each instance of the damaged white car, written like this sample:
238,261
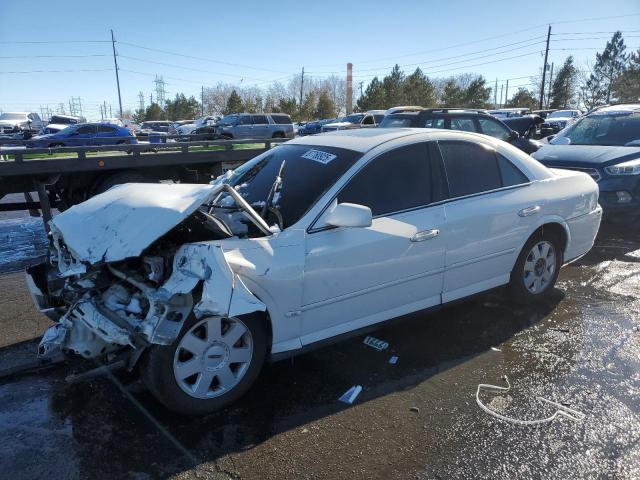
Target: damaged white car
322,236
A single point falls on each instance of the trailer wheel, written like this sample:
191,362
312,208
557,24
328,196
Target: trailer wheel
119,179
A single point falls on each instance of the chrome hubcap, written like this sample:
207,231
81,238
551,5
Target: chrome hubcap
539,267
212,357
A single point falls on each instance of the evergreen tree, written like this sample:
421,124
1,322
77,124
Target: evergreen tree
564,86
154,112
373,96
392,86
452,94
523,99
477,94
419,90
626,88
610,64
326,108
234,103
182,108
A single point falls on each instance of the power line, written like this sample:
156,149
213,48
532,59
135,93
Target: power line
59,71
222,62
56,41
56,56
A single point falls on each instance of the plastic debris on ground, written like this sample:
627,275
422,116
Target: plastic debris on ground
376,343
393,360
350,395
562,411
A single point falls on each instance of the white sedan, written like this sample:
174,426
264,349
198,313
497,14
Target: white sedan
319,237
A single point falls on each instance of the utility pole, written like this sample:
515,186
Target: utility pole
349,105
115,62
544,68
506,93
301,86
495,95
361,83
501,90
141,101
550,83
101,113
104,103
202,102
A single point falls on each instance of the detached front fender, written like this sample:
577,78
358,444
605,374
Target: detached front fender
223,292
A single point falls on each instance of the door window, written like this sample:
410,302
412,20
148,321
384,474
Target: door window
494,129
434,123
473,168
395,181
106,129
259,119
245,120
368,120
464,124
86,130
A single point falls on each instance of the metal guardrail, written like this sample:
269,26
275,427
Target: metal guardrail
135,149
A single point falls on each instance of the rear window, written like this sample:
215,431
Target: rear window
281,119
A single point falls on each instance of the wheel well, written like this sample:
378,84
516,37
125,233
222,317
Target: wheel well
266,318
556,230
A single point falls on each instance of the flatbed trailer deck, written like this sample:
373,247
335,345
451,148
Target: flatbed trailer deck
64,176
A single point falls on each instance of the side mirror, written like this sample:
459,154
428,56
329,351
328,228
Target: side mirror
349,215
513,135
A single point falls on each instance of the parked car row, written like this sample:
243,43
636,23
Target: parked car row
85,134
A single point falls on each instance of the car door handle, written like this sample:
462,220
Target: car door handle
425,235
526,212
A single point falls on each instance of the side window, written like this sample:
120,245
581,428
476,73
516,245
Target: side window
368,120
281,119
511,175
434,123
106,129
245,120
394,181
471,168
494,129
464,124
86,130
259,119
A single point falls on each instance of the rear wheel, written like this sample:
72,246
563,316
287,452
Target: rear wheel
278,135
537,268
212,363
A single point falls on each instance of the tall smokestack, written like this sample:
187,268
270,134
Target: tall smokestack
349,88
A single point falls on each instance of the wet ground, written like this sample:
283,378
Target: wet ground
416,419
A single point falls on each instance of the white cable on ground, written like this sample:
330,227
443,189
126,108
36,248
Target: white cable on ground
567,412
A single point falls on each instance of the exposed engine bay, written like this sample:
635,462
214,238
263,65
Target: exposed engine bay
103,307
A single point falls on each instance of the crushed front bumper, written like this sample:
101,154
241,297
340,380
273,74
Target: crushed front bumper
37,282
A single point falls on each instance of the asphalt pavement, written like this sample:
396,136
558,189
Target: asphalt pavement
415,419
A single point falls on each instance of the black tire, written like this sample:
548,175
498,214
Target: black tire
278,135
56,145
119,179
226,136
156,369
517,284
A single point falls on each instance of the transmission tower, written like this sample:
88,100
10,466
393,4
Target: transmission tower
75,106
160,92
141,101
61,109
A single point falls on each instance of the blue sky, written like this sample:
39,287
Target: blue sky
256,42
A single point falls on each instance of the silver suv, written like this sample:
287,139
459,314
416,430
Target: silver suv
255,125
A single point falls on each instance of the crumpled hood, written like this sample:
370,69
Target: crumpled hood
585,154
123,221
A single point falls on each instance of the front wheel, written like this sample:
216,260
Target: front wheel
212,363
537,268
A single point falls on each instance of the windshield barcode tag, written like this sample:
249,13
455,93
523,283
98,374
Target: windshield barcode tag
318,156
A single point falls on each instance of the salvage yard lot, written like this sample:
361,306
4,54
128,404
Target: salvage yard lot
416,419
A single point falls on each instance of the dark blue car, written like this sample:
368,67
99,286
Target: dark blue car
311,128
606,145
86,135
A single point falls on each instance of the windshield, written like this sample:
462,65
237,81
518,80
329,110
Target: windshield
12,116
395,122
309,172
352,118
608,129
561,113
